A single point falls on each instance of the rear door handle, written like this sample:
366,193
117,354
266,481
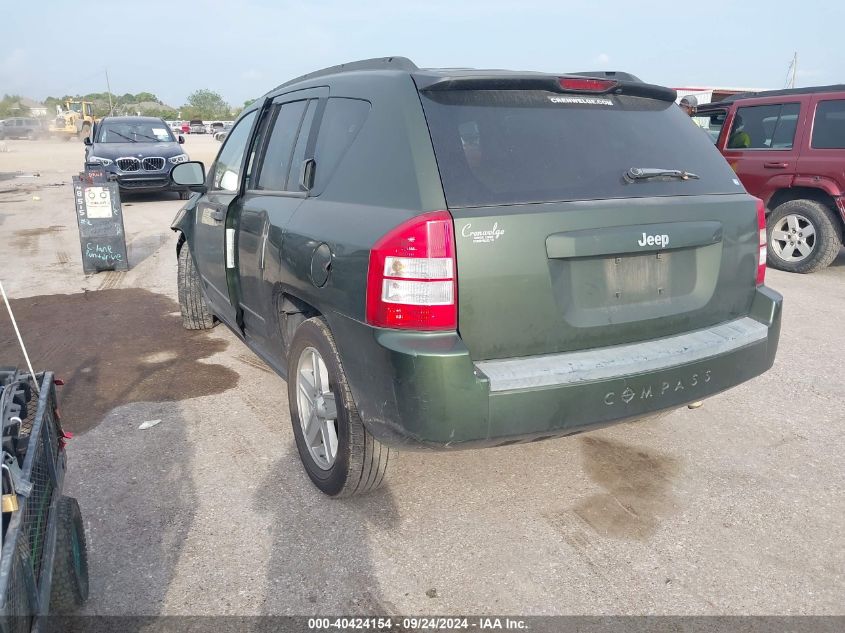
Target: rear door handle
775,165
216,214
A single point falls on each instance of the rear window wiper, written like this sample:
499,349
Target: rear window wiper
647,173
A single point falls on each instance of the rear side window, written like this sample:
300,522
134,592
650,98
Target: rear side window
341,122
829,125
507,147
277,157
300,147
764,127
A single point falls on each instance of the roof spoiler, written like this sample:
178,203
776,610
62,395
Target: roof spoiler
548,83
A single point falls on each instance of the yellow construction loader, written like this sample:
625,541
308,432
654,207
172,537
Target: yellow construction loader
76,120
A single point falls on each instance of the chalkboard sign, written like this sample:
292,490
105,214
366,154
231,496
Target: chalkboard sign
100,219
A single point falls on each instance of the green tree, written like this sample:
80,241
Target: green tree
146,96
160,111
10,106
205,104
50,103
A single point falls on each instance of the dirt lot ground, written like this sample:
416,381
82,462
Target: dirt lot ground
733,508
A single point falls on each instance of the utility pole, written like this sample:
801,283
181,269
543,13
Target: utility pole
794,67
108,87
791,71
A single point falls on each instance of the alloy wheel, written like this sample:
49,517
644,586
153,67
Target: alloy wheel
317,408
793,238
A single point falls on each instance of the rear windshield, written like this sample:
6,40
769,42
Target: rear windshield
509,147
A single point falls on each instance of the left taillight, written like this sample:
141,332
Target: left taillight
761,255
411,282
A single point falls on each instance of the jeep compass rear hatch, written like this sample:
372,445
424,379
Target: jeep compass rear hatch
587,213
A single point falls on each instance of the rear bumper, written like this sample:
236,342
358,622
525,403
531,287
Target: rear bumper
417,390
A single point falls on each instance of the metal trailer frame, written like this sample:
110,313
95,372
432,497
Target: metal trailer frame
29,545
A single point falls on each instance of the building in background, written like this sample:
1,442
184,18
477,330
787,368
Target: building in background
36,109
711,94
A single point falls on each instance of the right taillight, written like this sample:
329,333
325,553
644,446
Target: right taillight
411,282
761,255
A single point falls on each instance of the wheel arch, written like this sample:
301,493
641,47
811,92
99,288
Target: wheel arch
180,241
290,311
183,223
800,193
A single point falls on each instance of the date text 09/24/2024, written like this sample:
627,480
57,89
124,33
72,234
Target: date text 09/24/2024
416,623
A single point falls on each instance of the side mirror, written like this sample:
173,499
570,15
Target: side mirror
190,175
87,140
181,139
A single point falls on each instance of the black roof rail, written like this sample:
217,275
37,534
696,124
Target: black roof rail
377,63
608,74
783,93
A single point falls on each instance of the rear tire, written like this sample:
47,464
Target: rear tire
802,225
195,312
356,462
70,570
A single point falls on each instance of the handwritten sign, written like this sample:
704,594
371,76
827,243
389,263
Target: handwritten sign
99,216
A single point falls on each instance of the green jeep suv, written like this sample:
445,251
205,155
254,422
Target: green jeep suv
450,259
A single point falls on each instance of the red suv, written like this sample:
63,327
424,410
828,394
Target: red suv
788,148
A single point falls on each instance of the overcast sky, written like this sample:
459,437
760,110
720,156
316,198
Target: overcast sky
242,49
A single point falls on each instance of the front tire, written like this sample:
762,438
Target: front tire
195,312
339,455
804,236
70,571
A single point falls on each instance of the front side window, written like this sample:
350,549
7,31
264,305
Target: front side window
227,167
764,127
712,123
829,125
